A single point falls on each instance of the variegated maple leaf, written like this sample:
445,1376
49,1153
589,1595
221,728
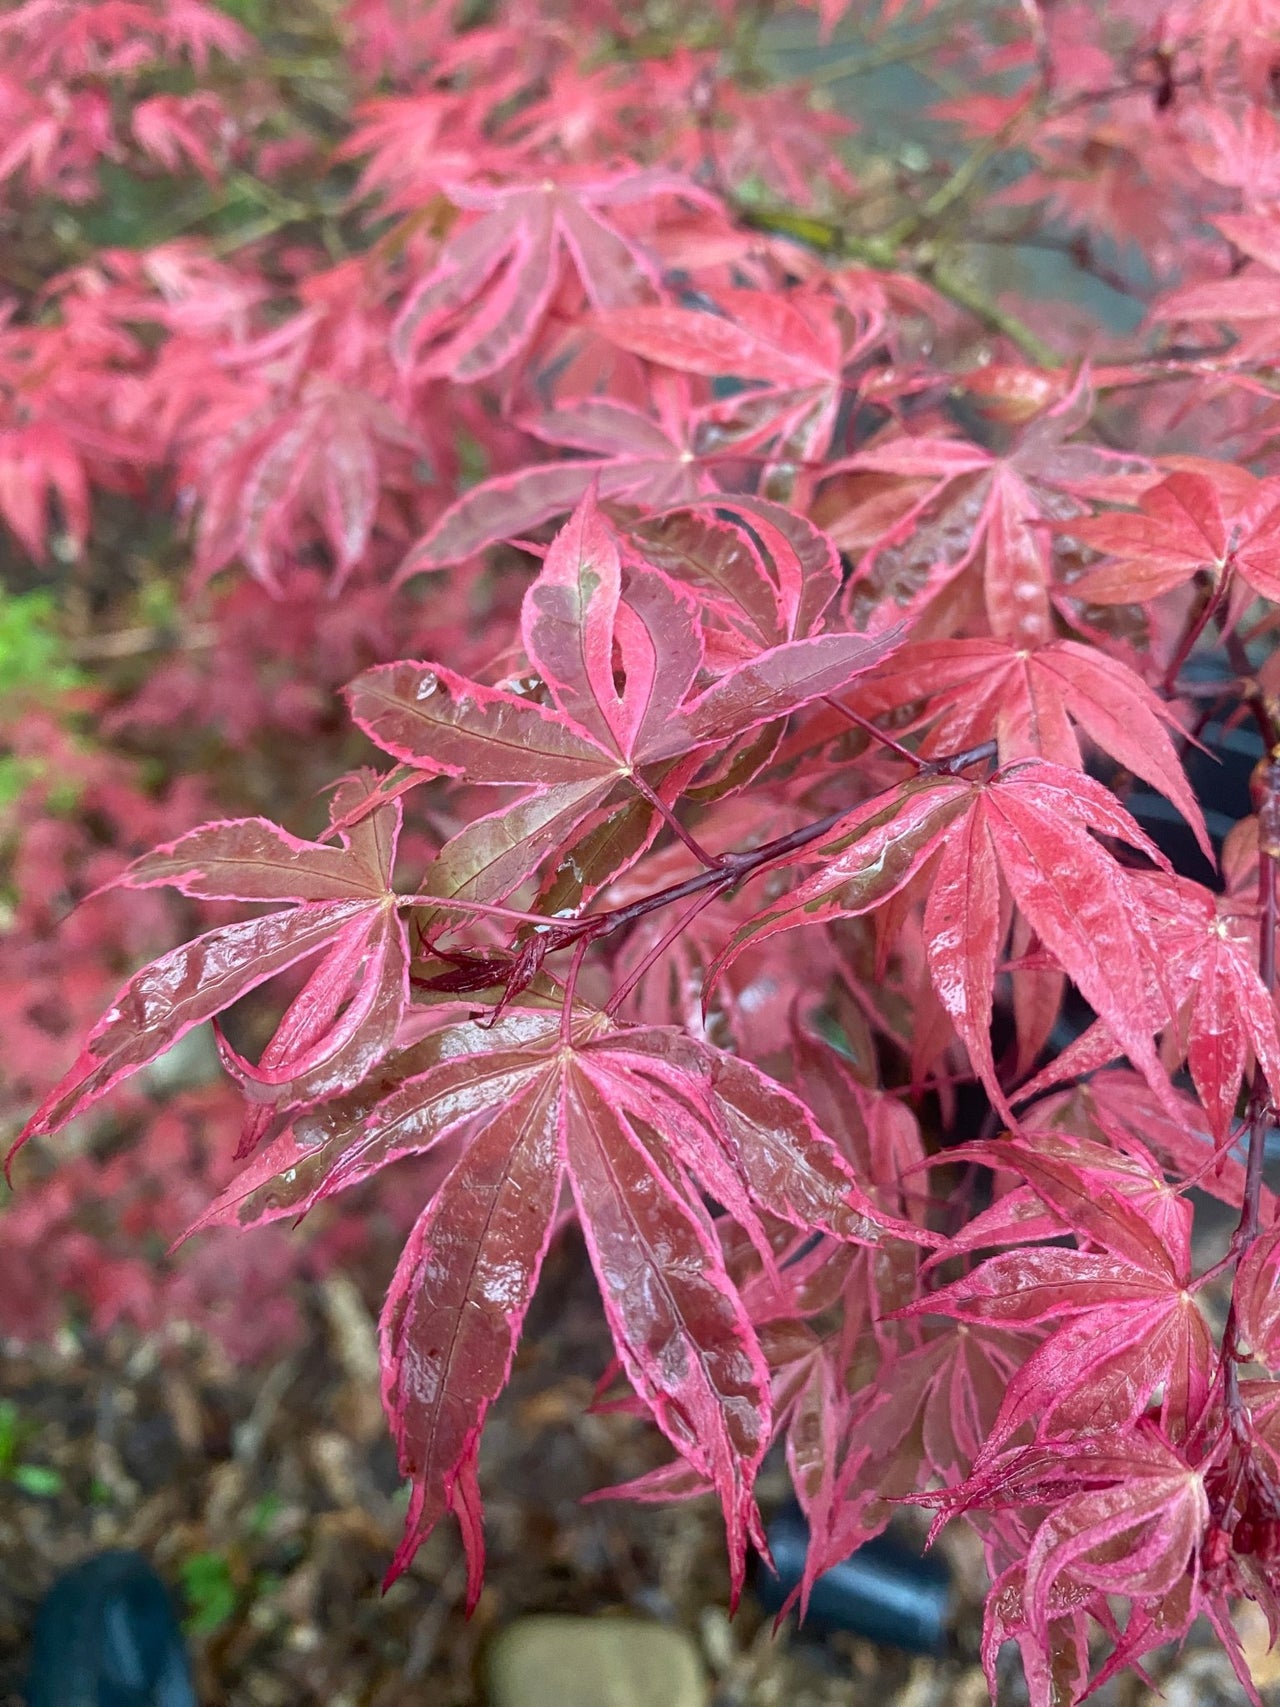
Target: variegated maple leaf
1211,517
338,904
629,455
620,657
1028,833
985,512
1033,699
484,300
1124,1323
789,354
634,1124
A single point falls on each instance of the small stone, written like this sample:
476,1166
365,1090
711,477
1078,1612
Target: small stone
594,1662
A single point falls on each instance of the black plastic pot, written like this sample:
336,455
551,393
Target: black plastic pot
107,1635
1218,770
884,1591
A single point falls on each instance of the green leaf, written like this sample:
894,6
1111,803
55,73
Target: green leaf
263,1513
39,1480
14,1433
210,1592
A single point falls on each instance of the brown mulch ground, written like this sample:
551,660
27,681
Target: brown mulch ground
272,1494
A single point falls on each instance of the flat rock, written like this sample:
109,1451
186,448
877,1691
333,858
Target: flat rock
594,1662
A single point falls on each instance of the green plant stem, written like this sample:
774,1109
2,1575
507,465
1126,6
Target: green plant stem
949,282
862,61
936,265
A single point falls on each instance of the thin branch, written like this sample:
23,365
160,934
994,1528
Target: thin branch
966,174
877,734
861,62
727,873
951,764
944,278
137,642
933,265
570,985
1121,91
1211,602
711,861
1076,249
734,868
1266,711
680,925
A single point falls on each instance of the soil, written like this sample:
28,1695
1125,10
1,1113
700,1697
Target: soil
268,1497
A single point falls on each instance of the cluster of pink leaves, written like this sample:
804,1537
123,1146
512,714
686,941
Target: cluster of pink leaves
750,828
87,1240
63,66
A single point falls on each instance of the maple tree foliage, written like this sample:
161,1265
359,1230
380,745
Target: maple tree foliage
758,655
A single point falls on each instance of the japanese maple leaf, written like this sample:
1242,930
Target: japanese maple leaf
1125,1323
629,455
1220,30
934,1396
1256,1297
1223,521
851,1456
340,906
601,110
418,142
485,299
62,40
297,437
1118,1165
1112,174
781,138
760,573
1247,300
985,509
1029,698
37,462
1117,1106
1209,1000
636,1122
59,388
598,734
810,1412
1031,828
1126,1516
1222,1010
175,130
319,458
796,348
1241,151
